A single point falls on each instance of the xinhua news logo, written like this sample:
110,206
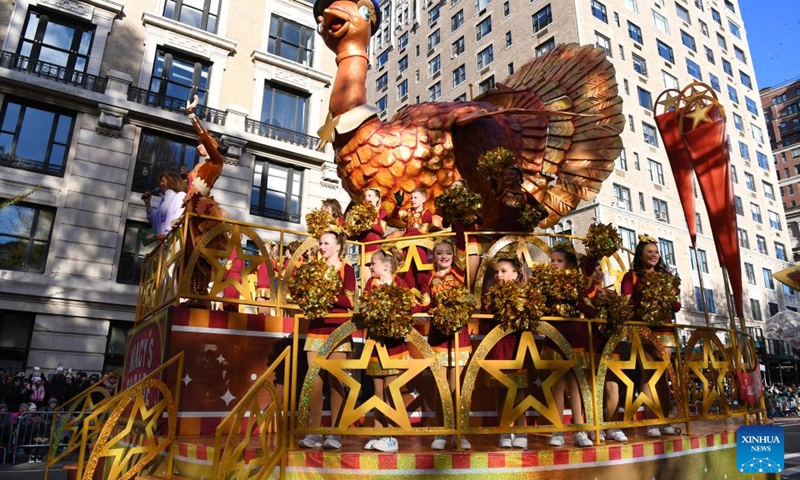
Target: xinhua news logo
759,449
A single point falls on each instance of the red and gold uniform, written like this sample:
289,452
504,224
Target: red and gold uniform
395,347
511,204
377,232
320,328
442,344
632,287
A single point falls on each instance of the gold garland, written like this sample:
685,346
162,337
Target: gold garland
452,309
457,204
515,307
386,312
602,240
560,288
615,309
660,292
318,221
530,217
359,219
315,287
493,163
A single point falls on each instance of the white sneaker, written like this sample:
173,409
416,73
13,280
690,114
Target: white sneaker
370,445
439,442
520,441
332,442
581,439
465,445
654,432
505,440
310,441
617,435
668,430
385,444
592,436
556,440
31,460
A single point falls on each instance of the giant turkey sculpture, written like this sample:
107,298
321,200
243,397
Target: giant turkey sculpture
559,114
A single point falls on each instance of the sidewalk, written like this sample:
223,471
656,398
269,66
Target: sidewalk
30,471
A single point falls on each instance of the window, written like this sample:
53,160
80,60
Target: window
458,47
729,6
751,106
635,32
734,176
599,11
159,153
202,14
749,181
688,41
761,243
756,133
660,22
768,281
704,28
402,42
434,39
737,203
485,28
714,82
459,75
433,15
542,18
435,91
176,76
290,40
382,81
382,104
457,20
709,55
641,202
656,172
402,90
645,98
284,107
402,64
384,57
133,252
56,46
739,54
485,57
277,190
755,309
511,68
622,160
701,255
25,237
629,240
709,298
716,16
721,41
434,65
694,69
34,137
506,9
755,211
698,220
775,220
603,42
745,78
509,40
769,192
649,132
16,329
480,5
733,95
670,81
631,5
545,47
667,250
737,122
486,85
744,240
726,66
683,14
622,197
780,252
665,51
744,151
661,210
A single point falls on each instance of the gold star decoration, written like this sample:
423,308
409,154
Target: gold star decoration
250,266
670,102
639,359
558,369
350,412
699,114
327,133
707,365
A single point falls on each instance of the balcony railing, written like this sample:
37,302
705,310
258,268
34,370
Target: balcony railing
143,96
277,133
53,72
31,165
275,214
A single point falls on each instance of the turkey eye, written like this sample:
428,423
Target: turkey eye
364,11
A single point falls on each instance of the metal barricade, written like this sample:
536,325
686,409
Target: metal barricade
5,435
31,435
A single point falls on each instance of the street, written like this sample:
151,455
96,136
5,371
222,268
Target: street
791,429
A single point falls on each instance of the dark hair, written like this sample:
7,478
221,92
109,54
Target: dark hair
588,264
570,255
515,264
637,266
335,207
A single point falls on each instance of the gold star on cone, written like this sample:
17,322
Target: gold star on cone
638,358
558,369
669,102
715,384
351,413
699,114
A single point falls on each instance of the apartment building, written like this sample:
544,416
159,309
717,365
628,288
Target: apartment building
452,50
92,94
781,106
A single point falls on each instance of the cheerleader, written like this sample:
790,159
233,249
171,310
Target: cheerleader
417,220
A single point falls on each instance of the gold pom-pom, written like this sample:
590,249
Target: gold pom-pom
386,312
493,163
530,216
457,204
615,309
660,292
561,288
359,219
318,221
515,307
452,309
315,287
602,240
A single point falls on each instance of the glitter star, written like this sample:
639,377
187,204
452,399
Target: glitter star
669,102
221,359
711,372
699,115
558,369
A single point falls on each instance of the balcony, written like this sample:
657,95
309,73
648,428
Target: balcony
53,72
172,104
267,130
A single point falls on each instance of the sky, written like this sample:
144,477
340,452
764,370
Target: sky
773,30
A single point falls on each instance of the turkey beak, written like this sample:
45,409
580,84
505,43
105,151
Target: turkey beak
336,22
